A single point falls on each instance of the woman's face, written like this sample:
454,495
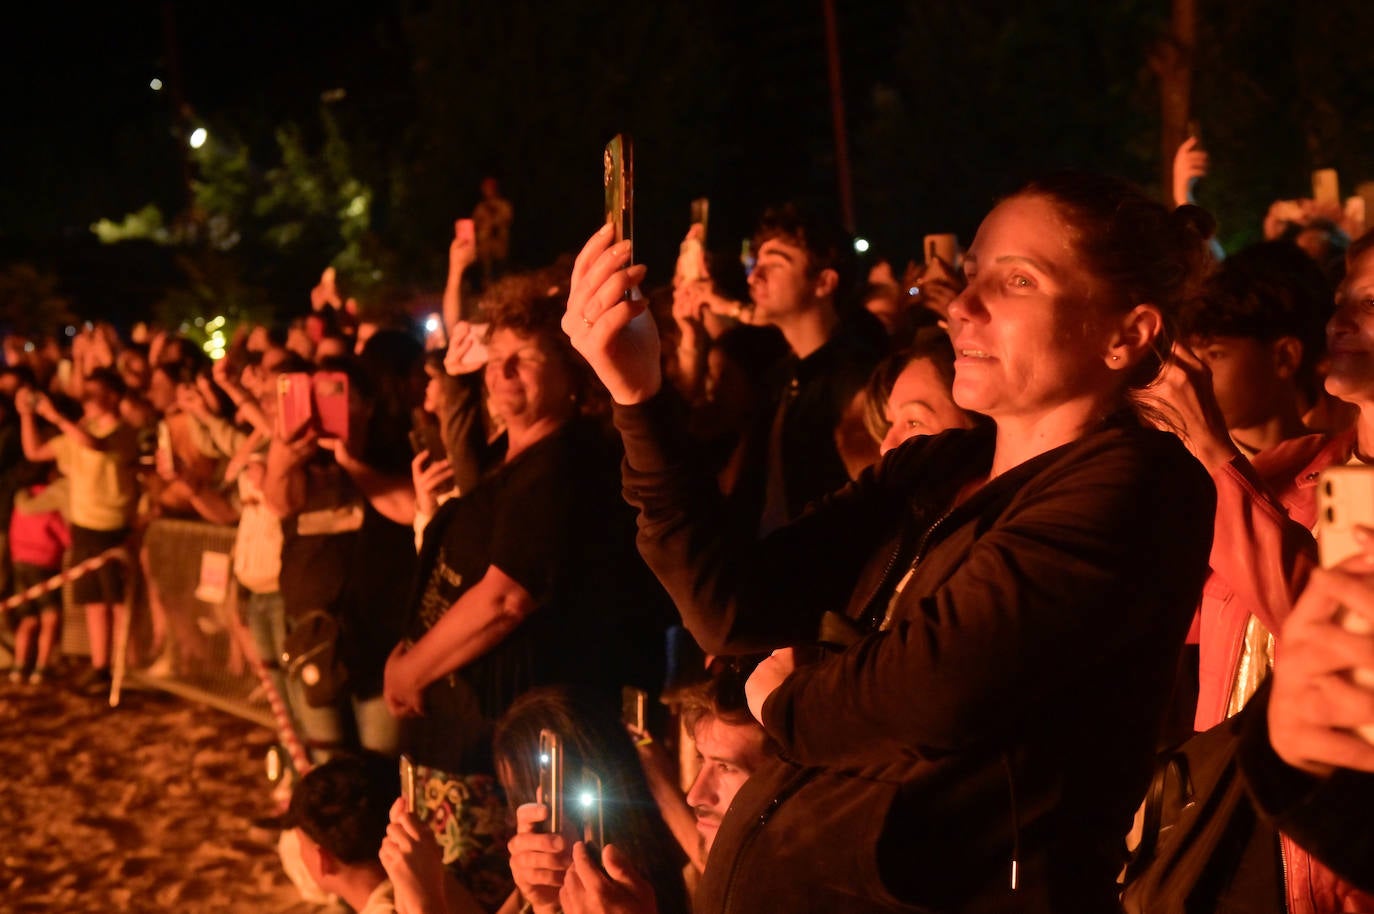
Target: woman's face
526,381
921,404
1030,331
1350,335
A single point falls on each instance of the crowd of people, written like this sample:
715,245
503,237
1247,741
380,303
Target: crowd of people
956,556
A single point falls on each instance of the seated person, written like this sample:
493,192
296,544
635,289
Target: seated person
730,745
338,814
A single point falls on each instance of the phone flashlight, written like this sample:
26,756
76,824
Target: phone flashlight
432,323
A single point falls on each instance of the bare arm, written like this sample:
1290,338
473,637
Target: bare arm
283,484
461,254
478,621
392,496
36,450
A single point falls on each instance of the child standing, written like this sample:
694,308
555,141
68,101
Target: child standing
38,537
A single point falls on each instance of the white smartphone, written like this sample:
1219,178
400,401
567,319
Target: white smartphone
1345,500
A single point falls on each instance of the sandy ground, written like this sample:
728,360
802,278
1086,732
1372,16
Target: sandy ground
145,807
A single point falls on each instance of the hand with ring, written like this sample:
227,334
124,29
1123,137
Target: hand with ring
614,332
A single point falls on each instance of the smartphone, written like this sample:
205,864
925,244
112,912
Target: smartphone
634,705
330,392
551,779
295,409
1345,499
946,247
619,181
701,212
425,436
465,230
1326,187
408,783
591,827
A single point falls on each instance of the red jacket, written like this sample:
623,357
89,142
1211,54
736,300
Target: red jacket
1262,554
38,538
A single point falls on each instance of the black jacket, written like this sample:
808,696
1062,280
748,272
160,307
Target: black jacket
1008,707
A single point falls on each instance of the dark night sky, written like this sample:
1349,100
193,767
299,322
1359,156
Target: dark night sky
89,138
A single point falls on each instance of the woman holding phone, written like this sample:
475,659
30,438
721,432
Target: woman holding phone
1007,604
529,577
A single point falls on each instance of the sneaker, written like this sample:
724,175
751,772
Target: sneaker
38,676
16,675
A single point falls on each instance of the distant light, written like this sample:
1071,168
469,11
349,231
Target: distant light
914,290
357,206
432,323
543,758
200,322
588,799
215,323
861,245
155,84
198,137
71,331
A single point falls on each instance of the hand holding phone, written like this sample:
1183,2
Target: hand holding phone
1345,503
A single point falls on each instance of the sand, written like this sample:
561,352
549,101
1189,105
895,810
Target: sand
145,807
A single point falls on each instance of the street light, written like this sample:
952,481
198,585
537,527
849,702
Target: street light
198,137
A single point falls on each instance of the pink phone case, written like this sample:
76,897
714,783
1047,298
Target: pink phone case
294,410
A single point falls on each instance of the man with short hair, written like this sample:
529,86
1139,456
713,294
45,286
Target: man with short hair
1261,330
800,284
339,812
730,744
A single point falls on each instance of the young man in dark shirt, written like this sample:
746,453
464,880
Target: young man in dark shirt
800,285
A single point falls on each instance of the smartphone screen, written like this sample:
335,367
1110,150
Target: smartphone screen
551,779
618,179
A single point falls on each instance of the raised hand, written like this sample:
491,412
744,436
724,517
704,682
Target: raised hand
430,479
538,861
1184,391
1190,166
1324,676
615,334
412,858
465,353
462,250
611,888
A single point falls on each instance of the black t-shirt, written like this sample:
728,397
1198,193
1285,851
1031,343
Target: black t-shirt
553,520
340,555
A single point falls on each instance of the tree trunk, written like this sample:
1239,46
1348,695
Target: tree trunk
1172,62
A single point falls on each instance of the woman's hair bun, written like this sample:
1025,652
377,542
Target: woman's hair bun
1195,219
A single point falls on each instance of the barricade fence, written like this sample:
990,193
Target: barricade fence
179,627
